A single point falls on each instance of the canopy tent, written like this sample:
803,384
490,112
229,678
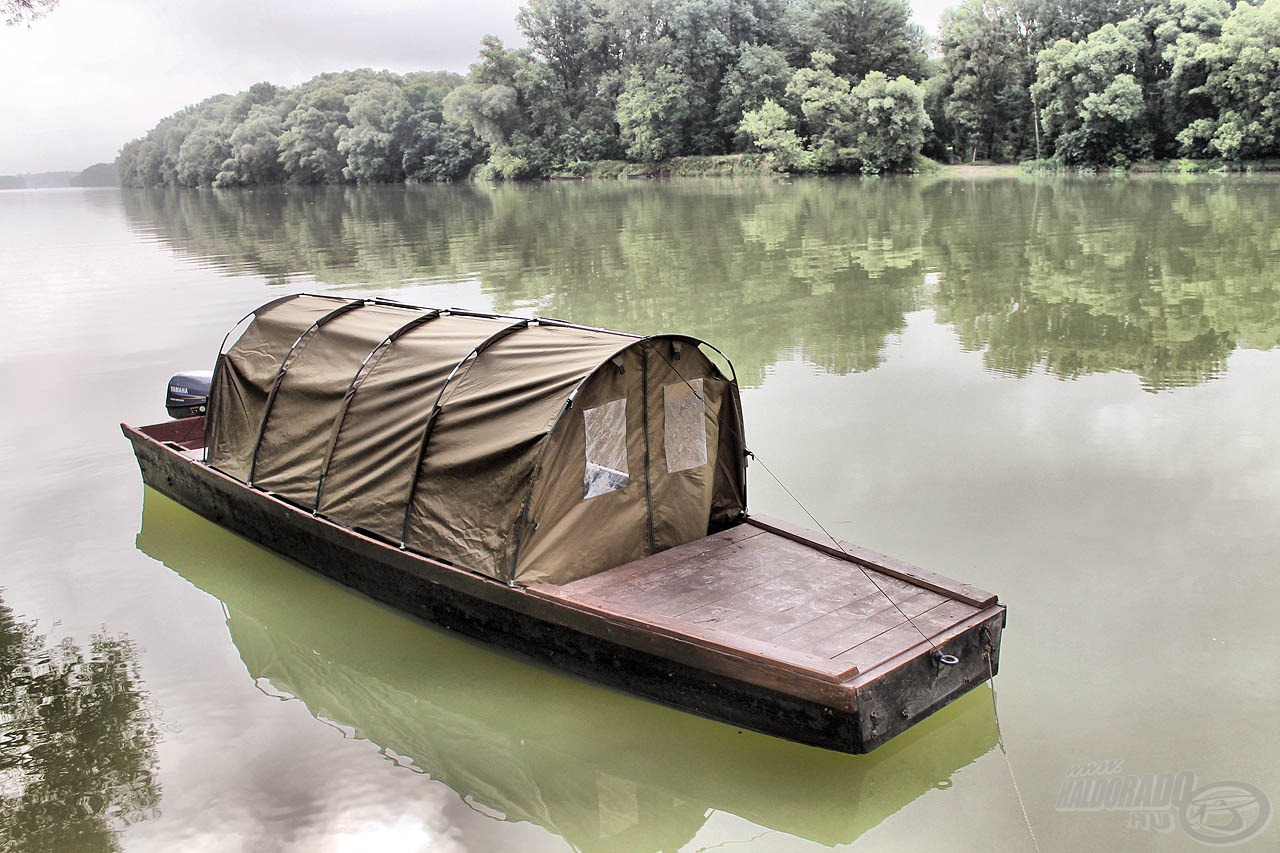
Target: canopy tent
526,449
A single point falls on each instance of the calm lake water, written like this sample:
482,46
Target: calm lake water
1064,391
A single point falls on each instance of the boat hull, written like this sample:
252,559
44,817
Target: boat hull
851,717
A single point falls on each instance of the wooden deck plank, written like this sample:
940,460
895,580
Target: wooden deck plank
893,642
887,618
795,661
773,599
872,559
872,613
700,579
664,560
784,602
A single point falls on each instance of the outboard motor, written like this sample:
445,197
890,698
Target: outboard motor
188,393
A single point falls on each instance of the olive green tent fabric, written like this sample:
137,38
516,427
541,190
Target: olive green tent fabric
371,467
485,442
245,374
661,504
525,450
311,389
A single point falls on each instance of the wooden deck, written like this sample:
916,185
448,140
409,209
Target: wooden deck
772,594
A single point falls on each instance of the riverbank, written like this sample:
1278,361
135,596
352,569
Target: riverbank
708,166
1184,166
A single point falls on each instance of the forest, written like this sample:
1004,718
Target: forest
794,85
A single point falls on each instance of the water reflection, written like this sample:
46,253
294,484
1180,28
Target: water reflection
77,741
524,743
1160,278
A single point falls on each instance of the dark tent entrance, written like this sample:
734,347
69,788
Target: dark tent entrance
528,450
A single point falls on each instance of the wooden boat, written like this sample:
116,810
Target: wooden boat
595,766
573,494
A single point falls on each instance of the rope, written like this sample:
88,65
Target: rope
933,648
1017,790
838,545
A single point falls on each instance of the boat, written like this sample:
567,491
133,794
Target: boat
600,769
574,494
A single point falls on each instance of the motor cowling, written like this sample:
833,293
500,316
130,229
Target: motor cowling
188,394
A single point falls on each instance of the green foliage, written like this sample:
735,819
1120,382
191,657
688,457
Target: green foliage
877,125
1092,105
889,122
1184,77
769,129
984,97
761,74
862,36
355,126
653,114
1241,73
1086,83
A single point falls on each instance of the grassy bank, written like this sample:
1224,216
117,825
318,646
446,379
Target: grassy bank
711,166
1183,166
726,165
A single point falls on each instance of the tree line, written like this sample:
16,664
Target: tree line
813,85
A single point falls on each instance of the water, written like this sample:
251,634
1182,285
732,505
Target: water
1065,391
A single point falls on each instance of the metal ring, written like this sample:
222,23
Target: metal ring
946,659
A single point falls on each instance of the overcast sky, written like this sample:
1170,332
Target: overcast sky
92,75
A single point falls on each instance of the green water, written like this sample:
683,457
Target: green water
1064,391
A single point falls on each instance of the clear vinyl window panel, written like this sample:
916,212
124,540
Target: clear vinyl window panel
684,429
606,447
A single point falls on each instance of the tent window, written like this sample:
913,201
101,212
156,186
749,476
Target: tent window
606,428
685,427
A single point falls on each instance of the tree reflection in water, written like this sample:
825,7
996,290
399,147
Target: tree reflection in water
1156,277
77,741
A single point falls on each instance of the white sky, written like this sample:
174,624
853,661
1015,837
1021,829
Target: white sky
92,75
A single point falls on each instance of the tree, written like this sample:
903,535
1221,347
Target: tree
373,144
983,90
16,12
761,74
309,137
889,122
769,129
1177,69
1092,106
653,113
862,36
822,98
255,151
1242,68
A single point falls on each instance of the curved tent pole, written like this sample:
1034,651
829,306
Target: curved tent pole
523,520
470,357
543,321
733,371
370,362
222,351
284,368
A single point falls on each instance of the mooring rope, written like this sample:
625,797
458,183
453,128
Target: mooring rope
933,648
1017,789
840,546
